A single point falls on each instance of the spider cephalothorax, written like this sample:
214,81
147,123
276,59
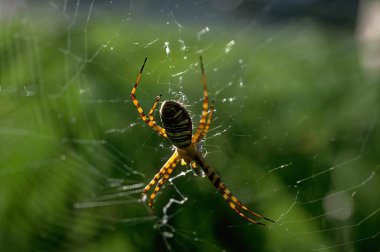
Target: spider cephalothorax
177,127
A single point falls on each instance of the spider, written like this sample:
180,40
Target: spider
177,128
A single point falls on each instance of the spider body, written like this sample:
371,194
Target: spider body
177,123
177,128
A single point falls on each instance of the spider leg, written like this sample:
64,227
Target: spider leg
202,122
197,170
151,111
173,159
208,123
233,202
160,183
149,120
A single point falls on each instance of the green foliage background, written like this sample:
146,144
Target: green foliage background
304,102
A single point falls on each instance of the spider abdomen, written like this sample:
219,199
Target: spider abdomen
177,123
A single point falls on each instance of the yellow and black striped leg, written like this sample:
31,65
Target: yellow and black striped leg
160,183
208,123
204,105
196,169
233,202
149,120
173,159
151,111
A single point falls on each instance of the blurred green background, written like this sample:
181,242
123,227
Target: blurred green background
295,135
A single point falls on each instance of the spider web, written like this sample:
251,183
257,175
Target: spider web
295,134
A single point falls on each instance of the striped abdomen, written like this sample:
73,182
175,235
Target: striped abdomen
177,123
